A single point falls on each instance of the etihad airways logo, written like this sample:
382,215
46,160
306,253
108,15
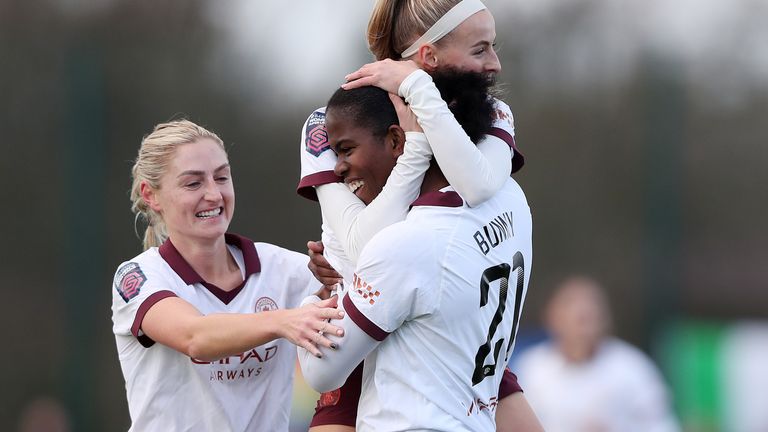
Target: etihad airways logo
239,366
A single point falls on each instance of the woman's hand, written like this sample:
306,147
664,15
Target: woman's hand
385,74
307,326
405,116
320,267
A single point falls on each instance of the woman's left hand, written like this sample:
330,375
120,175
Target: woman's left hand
385,74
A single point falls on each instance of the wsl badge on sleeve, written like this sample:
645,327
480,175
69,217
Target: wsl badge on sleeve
316,137
129,280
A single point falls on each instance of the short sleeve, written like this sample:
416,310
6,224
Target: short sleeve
504,129
317,158
136,288
395,275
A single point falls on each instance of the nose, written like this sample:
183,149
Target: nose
212,192
493,65
341,167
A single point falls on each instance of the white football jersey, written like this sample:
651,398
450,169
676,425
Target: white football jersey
444,290
619,389
318,161
169,391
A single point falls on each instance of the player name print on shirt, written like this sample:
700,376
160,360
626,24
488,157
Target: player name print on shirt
494,232
316,136
129,280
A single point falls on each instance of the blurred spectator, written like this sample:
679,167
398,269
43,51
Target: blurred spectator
585,380
44,414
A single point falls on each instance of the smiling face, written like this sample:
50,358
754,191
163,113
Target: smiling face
196,197
469,47
364,159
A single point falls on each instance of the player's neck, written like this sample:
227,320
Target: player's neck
434,180
211,260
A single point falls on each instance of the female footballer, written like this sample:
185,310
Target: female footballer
204,319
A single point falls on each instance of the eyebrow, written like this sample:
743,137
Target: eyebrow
482,43
199,172
335,145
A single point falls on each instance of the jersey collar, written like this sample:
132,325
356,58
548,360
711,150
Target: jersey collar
185,271
447,198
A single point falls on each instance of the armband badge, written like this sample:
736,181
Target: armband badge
316,138
129,280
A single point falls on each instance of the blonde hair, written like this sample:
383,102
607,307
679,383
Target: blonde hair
155,154
395,24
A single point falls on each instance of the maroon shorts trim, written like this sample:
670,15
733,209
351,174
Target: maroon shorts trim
339,407
509,384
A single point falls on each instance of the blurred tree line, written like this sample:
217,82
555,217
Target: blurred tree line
645,185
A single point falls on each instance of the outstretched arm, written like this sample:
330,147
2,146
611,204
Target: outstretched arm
330,370
351,221
477,172
176,323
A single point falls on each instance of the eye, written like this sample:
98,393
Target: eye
192,185
222,179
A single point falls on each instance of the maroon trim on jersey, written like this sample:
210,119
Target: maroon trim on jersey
145,340
339,407
439,199
190,276
307,184
509,384
362,321
518,160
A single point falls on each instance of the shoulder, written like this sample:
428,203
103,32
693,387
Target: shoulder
502,116
628,357
405,242
269,253
314,119
132,275
541,352
149,260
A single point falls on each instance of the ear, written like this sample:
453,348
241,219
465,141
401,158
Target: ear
395,140
426,57
149,195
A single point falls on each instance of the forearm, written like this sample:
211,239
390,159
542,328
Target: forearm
353,222
476,172
215,336
514,414
331,370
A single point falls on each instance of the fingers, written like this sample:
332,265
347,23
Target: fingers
325,292
328,308
321,340
319,266
315,247
358,73
359,82
333,329
398,102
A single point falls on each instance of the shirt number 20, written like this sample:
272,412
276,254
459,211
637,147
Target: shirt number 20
501,273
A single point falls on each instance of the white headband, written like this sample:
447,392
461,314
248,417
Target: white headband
463,10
